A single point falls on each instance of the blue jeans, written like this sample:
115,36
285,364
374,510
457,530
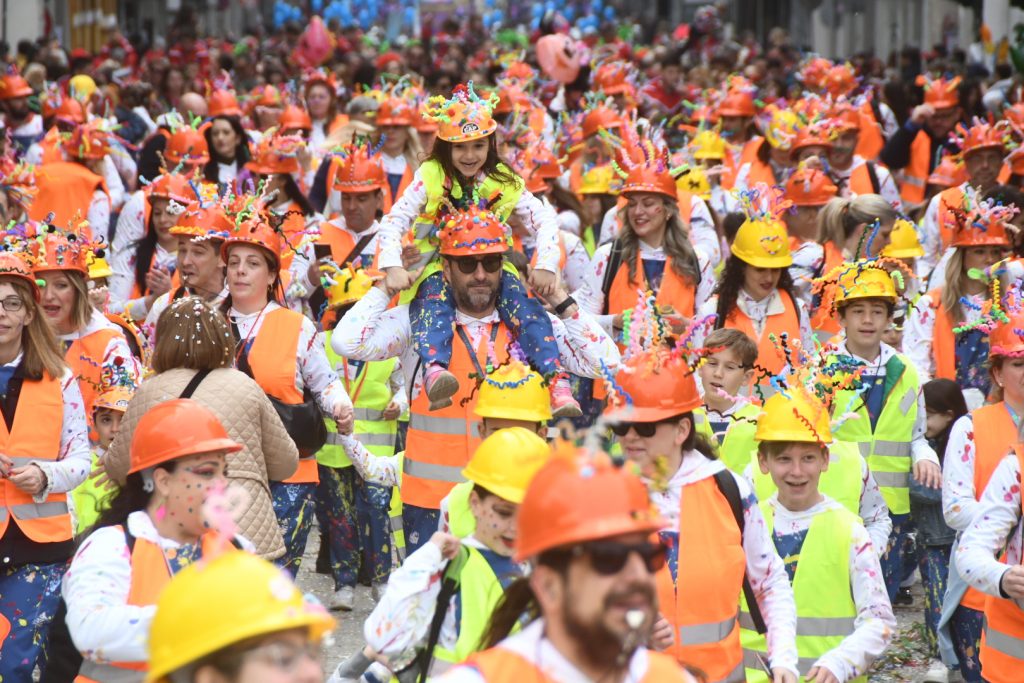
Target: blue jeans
29,596
294,507
432,314
419,524
934,564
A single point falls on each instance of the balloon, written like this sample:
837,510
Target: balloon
410,16
609,13
317,5
315,45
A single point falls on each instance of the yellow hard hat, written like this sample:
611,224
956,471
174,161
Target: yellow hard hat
904,242
600,180
864,280
707,144
763,243
782,129
98,267
695,181
213,604
795,415
505,462
515,392
82,87
346,285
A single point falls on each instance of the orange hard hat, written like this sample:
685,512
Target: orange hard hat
13,86
265,96
982,135
652,386
174,186
89,141
356,170
223,103
575,498
540,165
840,80
186,146
395,111
176,429
206,221
817,134
520,71
737,103
1007,338
295,118
1015,114
598,118
940,92
980,226
258,232
14,265
275,153
472,231
612,78
465,116
949,173
654,177
815,72
845,116
57,251
511,98
64,109
810,187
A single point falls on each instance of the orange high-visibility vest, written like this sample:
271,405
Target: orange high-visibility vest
502,665
760,172
85,358
702,603
674,290
871,141
994,432
917,170
440,442
273,358
749,151
1002,642
823,319
341,243
786,322
35,435
943,339
65,189
149,575
860,181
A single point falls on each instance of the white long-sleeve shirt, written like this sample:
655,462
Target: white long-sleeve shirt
103,626
765,570
312,368
996,526
577,260
703,236
372,331
960,500
920,451
590,296
920,327
875,623
534,647
537,216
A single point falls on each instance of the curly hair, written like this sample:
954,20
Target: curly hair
731,282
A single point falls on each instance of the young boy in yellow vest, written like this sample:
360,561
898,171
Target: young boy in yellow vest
353,513
438,603
87,497
844,618
885,416
727,367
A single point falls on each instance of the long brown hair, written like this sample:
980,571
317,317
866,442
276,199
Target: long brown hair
677,245
493,166
39,346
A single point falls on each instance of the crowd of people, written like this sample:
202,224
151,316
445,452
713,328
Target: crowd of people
594,361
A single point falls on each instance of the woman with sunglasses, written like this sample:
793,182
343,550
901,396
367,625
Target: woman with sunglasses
697,496
480,564
280,349
44,453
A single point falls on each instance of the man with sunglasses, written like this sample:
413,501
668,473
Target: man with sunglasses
587,528
717,539
441,441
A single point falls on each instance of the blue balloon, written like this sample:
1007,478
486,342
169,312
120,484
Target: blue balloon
609,13
364,18
489,3
317,5
569,13
410,16
537,10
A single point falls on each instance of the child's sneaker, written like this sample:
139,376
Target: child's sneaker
440,386
563,403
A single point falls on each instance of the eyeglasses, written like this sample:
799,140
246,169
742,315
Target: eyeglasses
12,304
286,656
608,557
468,265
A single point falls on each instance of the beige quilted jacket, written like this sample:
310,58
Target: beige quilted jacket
246,412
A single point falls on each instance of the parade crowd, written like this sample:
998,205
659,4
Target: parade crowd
595,358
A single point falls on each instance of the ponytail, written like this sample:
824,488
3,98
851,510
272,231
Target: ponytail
840,217
517,600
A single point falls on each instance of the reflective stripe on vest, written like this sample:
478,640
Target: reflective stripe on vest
887,446
1006,644
826,612
501,665
701,634
450,426
424,470
39,510
367,414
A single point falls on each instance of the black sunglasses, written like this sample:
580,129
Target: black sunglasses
608,557
468,264
643,429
